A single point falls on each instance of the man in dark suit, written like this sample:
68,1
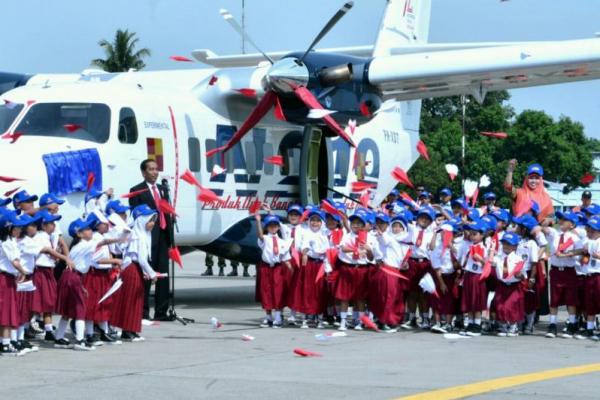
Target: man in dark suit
162,238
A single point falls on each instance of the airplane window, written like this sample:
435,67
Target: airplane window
8,115
128,132
83,121
194,154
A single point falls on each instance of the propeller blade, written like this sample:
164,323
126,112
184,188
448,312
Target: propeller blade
334,20
229,18
311,102
263,106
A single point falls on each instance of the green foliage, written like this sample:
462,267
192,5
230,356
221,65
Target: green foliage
533,136
120,54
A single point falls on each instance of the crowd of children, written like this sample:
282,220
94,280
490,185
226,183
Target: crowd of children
41,276
453,263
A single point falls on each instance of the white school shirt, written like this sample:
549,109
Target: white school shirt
442,258
376,250
553,237
114,248
44,259
316,243
421,251
102,252
593,264
467,260
283,247
130,255
82,254
30,250
294,232
349,239
513,259
9,252
529,252
394,252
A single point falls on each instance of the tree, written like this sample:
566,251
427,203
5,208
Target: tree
120,54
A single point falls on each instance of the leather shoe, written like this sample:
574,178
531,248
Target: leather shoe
163,317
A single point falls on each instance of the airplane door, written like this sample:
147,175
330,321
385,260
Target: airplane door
316,174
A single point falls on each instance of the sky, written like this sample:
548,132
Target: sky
62,35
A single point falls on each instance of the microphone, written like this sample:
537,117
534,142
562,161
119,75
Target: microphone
165,183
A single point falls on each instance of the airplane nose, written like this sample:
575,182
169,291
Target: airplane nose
285,75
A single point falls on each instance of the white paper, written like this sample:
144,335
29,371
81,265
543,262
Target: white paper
427,284
26,286
112,290
454,336
317,113
247,338
490,298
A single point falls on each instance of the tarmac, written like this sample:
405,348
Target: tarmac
197,361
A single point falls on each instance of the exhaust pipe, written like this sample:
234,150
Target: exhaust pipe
335,75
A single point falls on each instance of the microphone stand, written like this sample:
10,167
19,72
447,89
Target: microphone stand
171,312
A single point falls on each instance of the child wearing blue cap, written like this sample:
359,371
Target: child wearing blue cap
509,299
293,231
563,278
51,203
273,269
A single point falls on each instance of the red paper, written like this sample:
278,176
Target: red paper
336,237
275,160
214,151
366,321
304,216
358,187
180,59
247,92
518,268
91,178
9,179
175,255
306,353
332,256
364,109
72,128
400,175
320,274
393,272
254,207
133,194
165,207
189,177
11,192
406,256
295,256
474,198
487,270
361,237
587,179
495,135
364,199
422,149
447,237
565,245
213,80
208,196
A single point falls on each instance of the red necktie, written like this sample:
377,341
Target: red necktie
275,246
561,240
505,269
161,215
419,238
294,232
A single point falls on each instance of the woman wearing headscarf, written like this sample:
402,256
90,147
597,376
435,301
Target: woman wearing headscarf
531,190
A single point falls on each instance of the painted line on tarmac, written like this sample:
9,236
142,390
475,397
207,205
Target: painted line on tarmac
459,392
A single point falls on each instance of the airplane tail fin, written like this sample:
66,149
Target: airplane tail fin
404,22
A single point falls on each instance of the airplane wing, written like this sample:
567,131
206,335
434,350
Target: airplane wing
478,70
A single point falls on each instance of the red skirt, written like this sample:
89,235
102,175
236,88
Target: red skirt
592,294
581,291
510,302
70,295
307,295
416,271
97,282
24,303
352,283
445,304
563,287
272,289
44,296
386,297
128,302
474,293
9,316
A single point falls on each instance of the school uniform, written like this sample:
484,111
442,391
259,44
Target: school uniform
528,251
30,250
353,279
591,269
9,315
474,291
442,262
509,298
563,277
44,295
294,234
273,275
97,282
419,262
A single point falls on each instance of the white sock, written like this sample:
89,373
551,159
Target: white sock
268,317
5,341
277,316
572,318
343,316
590,325
89,328
552,319
411,315
79,329
293,313
62,328
477,321
48,327
13,335
103,326
21,332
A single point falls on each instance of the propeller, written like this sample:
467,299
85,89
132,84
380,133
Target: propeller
287,76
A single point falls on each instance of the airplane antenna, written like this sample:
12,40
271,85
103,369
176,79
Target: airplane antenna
244,26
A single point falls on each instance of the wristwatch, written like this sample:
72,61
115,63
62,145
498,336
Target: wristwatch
532,280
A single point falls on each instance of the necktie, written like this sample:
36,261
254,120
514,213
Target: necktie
275,246
161,215
505,269
294,232
419,238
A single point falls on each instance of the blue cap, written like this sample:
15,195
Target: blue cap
592,209
270,219
21,220
45,216
50,198
5,202
568,216
582,218
490,221
489,196
78,225
5,214
478,226
358,215
474,214
318,213
311,207
501,215
425,194
23,197
446,192
394,192
594,222
511,238
295,208
382,217
461,202
340,206
526,221
142,210
535,169
115,206
93,194
401,219
426,211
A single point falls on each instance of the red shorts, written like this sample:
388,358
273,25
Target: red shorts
563,287
417,268
592,294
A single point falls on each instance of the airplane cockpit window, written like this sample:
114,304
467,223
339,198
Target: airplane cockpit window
8,113
128,132
84,121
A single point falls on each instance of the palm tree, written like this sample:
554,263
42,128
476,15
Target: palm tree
120,55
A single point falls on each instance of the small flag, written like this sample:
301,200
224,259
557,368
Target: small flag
358,187
189,177
165,207
400,175
486,271
364,109
329,209
484,181
393,272
368,323
91,178
470,187
306,353
406,197
365,198
518,268
320,274
422,149
331,256
208,196
72,128
565,245
254,207
295,255
336,237
275,160
215,323
361,237
11,192
495,135
180,59
175,255
587,179
133,194
247,92
447,237
452,171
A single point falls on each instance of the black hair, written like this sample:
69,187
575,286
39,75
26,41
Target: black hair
144,164
4,233
266,232
76,239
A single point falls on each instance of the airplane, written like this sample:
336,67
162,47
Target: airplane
245,108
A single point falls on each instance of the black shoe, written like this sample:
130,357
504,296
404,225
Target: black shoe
126,335
552,331
459,325
208,272
571,330
163,317
62,344
29,334
93,340
49,336
146,315
72,326
233,273
475,330
7,350
246,274
109,339
28,347
221,271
